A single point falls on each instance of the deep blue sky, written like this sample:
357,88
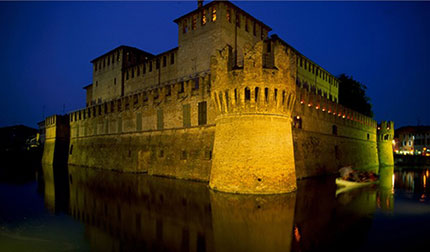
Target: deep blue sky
46,48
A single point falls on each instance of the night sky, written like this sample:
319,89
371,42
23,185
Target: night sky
46,48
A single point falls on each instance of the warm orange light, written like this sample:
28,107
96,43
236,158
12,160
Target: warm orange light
309,104
297,235
301,102
298,117
317,107
323,109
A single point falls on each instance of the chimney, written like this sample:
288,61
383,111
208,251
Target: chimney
199,4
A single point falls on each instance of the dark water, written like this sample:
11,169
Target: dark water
81,209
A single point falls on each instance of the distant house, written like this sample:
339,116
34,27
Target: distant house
412,140
14,138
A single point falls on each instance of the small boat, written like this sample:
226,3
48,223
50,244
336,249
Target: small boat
345,185
351,179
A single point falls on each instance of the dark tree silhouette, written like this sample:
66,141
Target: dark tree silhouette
352,94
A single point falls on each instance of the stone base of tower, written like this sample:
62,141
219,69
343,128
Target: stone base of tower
253,154
385,153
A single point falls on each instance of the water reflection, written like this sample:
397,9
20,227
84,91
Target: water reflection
124,212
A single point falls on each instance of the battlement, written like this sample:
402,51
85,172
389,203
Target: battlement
149,97
264,84
329,109
386,131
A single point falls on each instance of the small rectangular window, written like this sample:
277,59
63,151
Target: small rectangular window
182,88
228,15
196,84
164,61
204,17
183,155
168,91
172,59
202,113
246,24
150,66
160,119
186,115
194,22
184,27
213,14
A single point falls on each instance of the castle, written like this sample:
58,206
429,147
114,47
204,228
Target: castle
230,106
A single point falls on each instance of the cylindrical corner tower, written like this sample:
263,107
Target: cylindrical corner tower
253,148
385,143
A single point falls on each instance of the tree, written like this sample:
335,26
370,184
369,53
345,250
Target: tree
352,94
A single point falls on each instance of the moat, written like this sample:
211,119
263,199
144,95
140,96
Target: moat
82,209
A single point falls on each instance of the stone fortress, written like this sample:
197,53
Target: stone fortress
230,106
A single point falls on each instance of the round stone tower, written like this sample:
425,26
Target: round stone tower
253,148
385,143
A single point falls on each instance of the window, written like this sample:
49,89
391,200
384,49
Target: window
204,17
246,24
238,20
164,61
297,122
228,15
172,59
213,14
184,27
182,88
161,153
194,22
168,91
184,155
368,136
202,113
160,119
186,115
157,63
138,71
196,84
150,66
334,130
254,29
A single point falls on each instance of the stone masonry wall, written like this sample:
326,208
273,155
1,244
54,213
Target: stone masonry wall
328,136
147,132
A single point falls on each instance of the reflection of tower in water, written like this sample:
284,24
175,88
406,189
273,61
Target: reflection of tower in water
385,197
252,223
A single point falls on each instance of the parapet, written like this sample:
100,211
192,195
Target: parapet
386,131
264,84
